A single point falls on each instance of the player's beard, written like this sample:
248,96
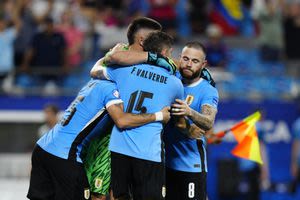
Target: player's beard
195,74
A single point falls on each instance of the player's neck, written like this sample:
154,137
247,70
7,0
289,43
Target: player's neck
135,47
190,81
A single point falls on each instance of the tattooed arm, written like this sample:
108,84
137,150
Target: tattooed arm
206,118
127,120
98,71
203,120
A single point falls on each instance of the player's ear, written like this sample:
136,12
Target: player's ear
141,40
164,52
204,63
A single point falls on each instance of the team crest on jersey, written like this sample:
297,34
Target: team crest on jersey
116,93
189,99
86,193
163,191
98,183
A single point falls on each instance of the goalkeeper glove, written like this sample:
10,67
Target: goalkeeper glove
205,74
161,61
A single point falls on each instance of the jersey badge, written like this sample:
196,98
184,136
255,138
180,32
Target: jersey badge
116,93
189,99
163,191
86,193
98,183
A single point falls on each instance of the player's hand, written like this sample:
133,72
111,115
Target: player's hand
161,61
118,47
181,108
166,114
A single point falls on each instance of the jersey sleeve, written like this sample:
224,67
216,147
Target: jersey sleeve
211,98
111,95
111,73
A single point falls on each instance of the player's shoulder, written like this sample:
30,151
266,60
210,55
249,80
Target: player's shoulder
176,80
209,88
102,84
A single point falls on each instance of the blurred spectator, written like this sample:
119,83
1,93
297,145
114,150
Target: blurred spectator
73,37
269,18
27,30
51,118
198,15
215,47
46,55
164,12
53,8
108,29
292,31
7,37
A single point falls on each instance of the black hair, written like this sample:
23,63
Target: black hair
156,41
141,23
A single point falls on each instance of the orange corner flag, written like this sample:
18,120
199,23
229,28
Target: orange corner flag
246,136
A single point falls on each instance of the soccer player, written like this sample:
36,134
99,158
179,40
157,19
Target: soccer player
57,170
144,88
186,165
186,156
97,162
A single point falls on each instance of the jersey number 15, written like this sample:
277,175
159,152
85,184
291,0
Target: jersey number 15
142,95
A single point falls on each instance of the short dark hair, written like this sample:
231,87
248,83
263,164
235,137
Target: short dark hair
196,45
52,107
140,23
156,41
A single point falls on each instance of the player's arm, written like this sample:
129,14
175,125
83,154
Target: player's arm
128,120
122,57
190,130
134,57
128,57
99,71
204,120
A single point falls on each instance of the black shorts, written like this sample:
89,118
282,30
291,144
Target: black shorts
141,179
185,185
54,178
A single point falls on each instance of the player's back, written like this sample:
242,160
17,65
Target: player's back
144,89
65,140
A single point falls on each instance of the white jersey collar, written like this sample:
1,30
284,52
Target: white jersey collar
195,83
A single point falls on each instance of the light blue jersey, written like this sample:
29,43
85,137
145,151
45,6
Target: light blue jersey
183,153
144,89
81,119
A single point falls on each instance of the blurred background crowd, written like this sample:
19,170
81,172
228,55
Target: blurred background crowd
53,43
47,48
